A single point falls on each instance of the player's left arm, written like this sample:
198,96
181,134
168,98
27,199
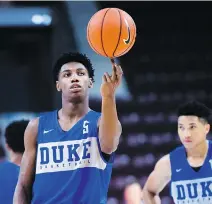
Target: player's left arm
109,126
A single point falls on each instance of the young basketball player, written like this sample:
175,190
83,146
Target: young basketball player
69,153
9,170
133,194
188,167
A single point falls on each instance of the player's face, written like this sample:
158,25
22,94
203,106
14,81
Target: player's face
192,130
74,82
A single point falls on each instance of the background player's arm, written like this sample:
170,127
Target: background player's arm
109,125
157,180
23,189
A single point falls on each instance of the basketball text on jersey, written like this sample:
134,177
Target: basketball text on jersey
68,155
71,161
195,192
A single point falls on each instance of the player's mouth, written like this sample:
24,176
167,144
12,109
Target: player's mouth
75,87
187,141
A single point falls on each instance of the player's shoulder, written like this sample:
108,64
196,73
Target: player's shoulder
47,114
93,115
4,163
177,150
33,123
163,166
96,113
8,169
163,161
32,129
7,165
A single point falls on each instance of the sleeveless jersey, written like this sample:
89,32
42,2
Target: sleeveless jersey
187,185
70,168
8,179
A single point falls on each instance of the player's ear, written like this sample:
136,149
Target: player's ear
7,147
207,128
58,86
90,83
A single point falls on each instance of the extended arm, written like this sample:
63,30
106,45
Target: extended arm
23,191
157,180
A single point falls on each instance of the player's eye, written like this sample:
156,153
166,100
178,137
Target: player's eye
193,127
67,74
81,73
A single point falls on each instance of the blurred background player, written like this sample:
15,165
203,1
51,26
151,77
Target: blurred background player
2,154
189,166
133,194
9,170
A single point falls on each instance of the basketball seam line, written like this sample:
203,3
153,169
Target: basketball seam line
102,31
120,31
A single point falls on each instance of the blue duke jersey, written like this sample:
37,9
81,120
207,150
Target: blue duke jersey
70,168
8,179
187,185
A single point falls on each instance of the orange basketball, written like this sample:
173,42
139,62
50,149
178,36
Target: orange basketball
111,32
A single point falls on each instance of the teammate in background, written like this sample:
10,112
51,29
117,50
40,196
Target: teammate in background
189,166
2,154
9,170
69,152
133,194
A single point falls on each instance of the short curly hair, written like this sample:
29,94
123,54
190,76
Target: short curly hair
73,57
14,135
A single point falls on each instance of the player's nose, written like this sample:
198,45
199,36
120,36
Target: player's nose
74,78
187,134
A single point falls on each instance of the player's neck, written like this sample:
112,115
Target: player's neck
15,158
71,110
199,151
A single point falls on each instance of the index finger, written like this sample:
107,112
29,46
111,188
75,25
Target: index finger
112,61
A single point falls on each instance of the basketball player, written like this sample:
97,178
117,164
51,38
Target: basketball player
2,154
69,153
9,170
188,167
133,194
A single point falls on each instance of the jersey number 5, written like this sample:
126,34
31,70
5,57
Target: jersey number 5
85,127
